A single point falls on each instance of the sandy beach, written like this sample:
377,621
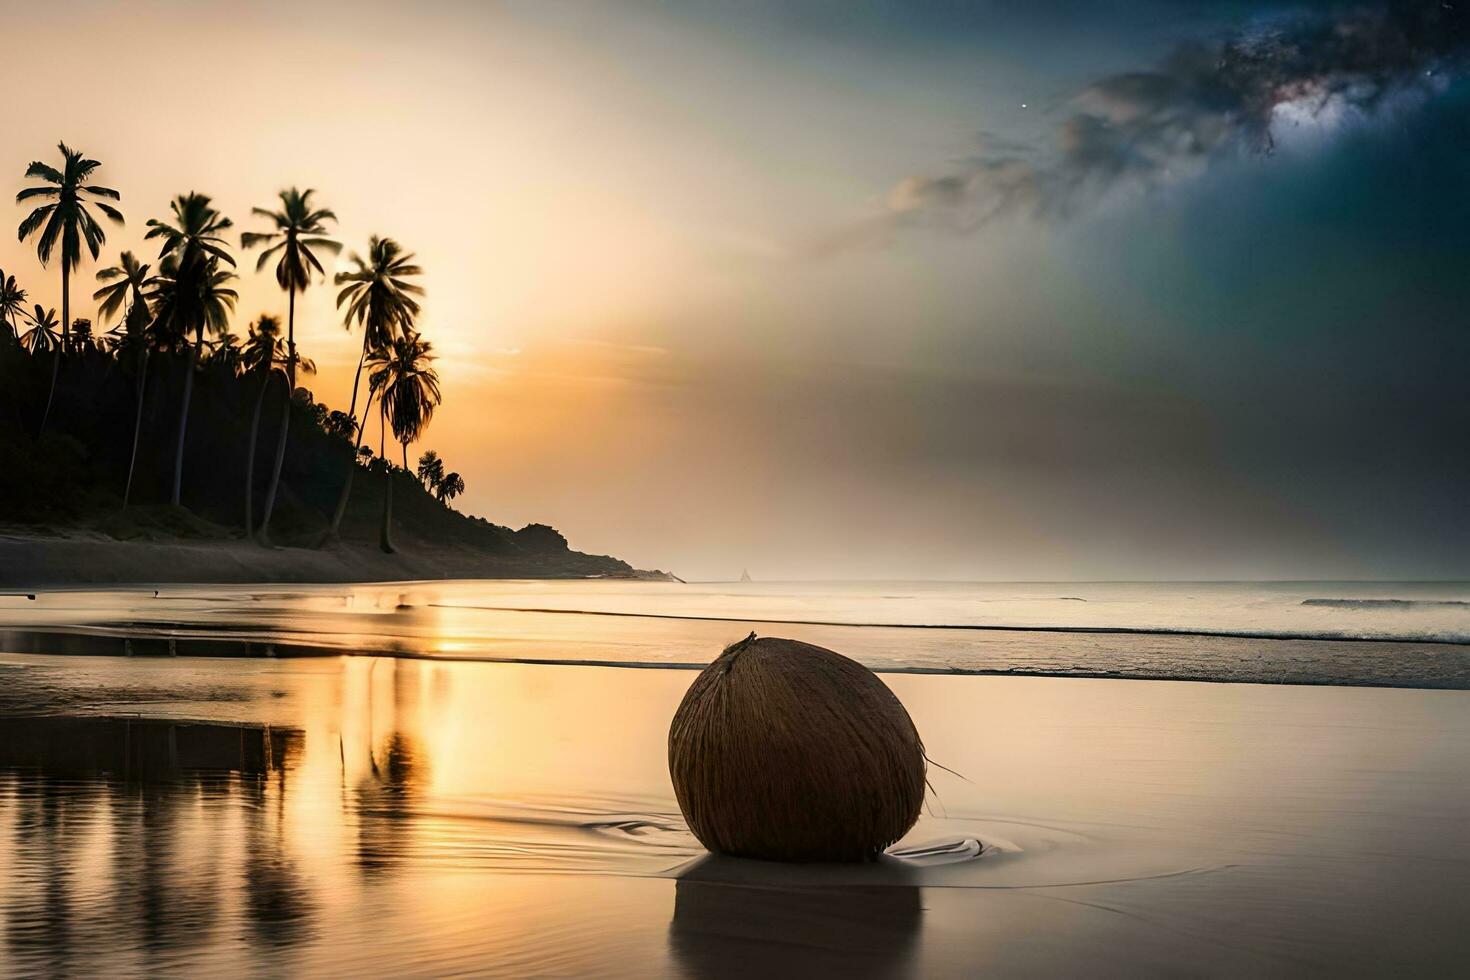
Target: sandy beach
417,818
72,558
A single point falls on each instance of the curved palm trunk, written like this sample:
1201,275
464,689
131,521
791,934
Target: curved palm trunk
184,415
55,370
357,379
270,493
385,534
341,509
250,456
357,444
137,422
65,342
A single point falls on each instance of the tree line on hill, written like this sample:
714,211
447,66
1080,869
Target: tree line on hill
161,400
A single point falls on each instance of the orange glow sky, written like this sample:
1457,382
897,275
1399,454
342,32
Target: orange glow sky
615,204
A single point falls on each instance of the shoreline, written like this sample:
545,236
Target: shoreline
74,560
198,647
1241,634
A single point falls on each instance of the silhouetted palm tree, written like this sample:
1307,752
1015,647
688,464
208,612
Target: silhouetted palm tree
68,220
12,305
195,233
223,358
83,341
380,300
192,291
408,389
44,335
263,350
65,217
431,470
450,487
298,229
263,355
127,283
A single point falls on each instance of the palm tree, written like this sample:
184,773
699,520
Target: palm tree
44,335
125,284
195,233
125,290
191,292
450,487
298,229
380,299
408,389
82,339
66,217
263,355
12,304
263,349
431,470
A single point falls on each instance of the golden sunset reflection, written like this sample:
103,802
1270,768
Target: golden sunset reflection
417,817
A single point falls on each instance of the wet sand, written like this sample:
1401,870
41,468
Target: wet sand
417,818
68,557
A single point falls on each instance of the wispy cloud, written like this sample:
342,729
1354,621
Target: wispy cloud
1206,101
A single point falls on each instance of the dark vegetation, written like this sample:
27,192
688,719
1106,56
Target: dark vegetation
168,427
75,472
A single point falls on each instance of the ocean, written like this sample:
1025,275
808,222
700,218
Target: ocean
1357,633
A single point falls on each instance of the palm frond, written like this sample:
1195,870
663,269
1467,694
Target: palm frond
268,254
40,171
47,242
110,211
34,220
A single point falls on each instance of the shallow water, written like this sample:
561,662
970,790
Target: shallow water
1380,634
353,815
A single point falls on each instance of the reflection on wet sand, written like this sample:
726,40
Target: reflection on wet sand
117,840
361,815
385,795
278,902
735,918
139,749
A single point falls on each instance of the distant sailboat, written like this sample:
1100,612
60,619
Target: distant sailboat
745,575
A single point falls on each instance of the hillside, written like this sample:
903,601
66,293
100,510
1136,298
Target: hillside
62,518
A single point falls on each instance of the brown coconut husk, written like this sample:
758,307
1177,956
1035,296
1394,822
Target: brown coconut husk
786,751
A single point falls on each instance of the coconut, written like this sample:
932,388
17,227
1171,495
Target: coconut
786,751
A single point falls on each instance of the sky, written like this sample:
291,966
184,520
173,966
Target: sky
866,289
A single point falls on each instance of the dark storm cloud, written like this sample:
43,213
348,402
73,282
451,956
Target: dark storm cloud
1139,129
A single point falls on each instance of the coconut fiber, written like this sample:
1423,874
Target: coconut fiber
790,752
